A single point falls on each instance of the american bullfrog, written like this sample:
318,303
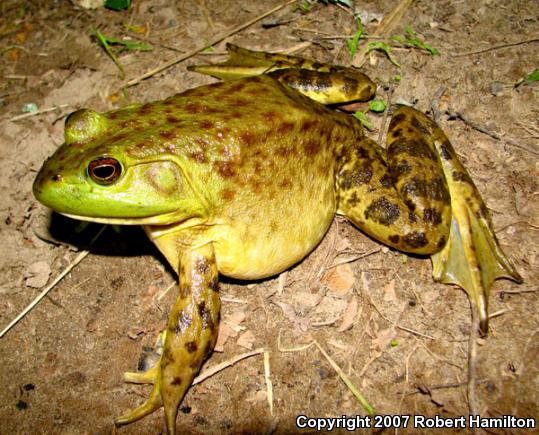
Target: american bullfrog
244,177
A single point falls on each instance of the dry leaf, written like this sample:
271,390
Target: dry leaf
389,291
340,279
349,316
383,337
38,274
246,340
225,332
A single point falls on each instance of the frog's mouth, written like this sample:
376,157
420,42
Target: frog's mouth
158,219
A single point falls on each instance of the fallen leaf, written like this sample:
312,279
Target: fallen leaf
383,338
225,332
389,291
350,314
246,340
37,274
340,279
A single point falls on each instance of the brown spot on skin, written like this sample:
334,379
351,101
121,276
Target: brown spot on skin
56,177
285,151
214,285
285,184
441,242
311,147
191,346
432,215
461,176
145,110
248,138
394,238
415,187
307,126
226,169
202,143
353,201
168,357
382,211
206,124
199,157
417,124
416,239
446,150
119,137
386,181
357,177
192,107
412,217
270,116
202,267
402,168
415,148
237,87
167,134
228,194
176,381
396,120
397,132
284,128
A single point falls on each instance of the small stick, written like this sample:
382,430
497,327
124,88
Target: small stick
219,367
496,47
68,269
214,41
39,112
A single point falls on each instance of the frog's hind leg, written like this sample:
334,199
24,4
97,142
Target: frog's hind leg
400,198
422,200
189,338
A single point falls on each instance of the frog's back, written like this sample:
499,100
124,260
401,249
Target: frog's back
265,157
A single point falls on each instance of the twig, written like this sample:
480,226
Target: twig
395,324
214,41
68,269
219,367
269,385
39,112
496,47
490,133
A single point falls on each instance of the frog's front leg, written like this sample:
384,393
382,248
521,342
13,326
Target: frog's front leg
189,338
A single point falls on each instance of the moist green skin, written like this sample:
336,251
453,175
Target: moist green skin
243,178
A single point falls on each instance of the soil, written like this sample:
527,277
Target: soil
62,364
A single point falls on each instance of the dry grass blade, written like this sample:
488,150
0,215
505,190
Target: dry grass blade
47,289
269,385
219,367
348,382
214,41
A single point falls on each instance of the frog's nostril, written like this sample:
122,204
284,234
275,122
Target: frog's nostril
56,177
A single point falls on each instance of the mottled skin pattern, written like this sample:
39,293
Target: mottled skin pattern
244,177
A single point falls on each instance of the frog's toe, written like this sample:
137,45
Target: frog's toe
147,377
154,402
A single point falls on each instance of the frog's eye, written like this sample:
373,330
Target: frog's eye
104,170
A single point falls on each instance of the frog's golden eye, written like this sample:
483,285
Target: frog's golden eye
104,170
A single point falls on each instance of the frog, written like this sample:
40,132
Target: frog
243,177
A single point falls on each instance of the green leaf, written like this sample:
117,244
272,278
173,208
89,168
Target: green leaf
411,40
394,342
377,105
397,77
104,42
117,5
364,121
532,77
353,42
385,48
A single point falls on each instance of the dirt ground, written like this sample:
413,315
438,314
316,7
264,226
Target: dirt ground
62,364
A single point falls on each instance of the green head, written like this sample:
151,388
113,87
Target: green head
94,176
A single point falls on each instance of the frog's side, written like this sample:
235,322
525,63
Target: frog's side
244,178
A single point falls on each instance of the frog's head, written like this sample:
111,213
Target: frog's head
94,177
